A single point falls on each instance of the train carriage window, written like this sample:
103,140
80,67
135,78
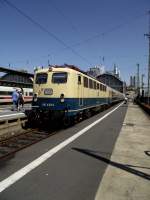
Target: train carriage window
85,82
5,93
90,83
60,77
30,93
41,78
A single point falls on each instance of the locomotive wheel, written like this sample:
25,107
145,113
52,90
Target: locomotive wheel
33,119
66,122
80,117
87,114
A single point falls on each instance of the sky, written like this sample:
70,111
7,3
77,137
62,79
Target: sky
79,32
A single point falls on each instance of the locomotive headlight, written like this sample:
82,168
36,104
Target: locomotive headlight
62,98
35,97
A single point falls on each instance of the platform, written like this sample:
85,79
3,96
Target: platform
128,173
6,110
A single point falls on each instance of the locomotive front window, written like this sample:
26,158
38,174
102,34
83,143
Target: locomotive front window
41,78
59,77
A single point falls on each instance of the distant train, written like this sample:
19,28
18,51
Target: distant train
6,94
67,93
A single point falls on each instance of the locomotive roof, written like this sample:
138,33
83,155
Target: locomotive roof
65,67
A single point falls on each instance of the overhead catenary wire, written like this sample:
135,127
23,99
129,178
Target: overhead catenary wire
70,47
42,28
67,19
103,34
110,30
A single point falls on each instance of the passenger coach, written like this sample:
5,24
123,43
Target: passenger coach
68,93
6,94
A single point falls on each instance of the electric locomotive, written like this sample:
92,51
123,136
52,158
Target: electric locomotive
69,94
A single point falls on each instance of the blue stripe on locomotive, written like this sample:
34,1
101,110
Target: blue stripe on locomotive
70,104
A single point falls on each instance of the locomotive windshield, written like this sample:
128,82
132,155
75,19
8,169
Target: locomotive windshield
41,78
59,77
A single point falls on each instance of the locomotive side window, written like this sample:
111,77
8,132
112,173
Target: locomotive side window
98,86
101,87
85,82
41,78
90,83
79,80
94,85
59,77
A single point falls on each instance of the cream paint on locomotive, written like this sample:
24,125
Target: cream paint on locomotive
82,92
68,88
72,88
79,91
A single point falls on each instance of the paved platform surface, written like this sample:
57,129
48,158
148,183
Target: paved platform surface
72,172
6,111
128,175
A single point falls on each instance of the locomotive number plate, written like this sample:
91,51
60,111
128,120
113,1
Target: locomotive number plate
48,91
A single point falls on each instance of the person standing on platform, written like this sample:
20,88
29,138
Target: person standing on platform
21,99
15,98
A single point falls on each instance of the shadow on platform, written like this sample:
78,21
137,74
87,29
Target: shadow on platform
147,153
114,164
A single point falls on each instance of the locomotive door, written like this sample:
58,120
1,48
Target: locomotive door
80,90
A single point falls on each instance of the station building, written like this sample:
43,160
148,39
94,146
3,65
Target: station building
113,81
15,78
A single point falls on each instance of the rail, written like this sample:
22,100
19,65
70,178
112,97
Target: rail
18,142
143,105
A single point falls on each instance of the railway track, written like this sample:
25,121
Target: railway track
16,143
13,144
20,141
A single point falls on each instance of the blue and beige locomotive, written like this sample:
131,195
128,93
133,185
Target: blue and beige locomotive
67,93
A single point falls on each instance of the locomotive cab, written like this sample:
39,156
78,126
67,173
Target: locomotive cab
53,88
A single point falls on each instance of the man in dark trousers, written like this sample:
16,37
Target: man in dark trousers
21,99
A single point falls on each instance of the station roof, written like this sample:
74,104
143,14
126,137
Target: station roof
16,78
109,75
17,72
